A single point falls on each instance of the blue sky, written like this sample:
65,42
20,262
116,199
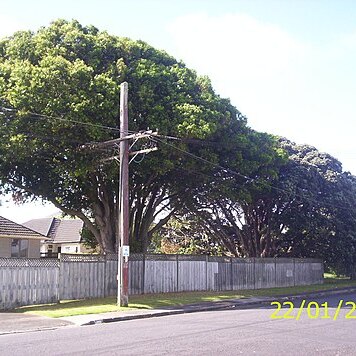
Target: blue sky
289,66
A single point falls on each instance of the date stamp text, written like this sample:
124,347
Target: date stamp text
313,310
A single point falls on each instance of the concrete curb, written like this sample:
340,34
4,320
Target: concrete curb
32,330
221,305
322,293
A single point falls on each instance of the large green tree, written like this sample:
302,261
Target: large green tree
304,207
59,89
320,220
239,210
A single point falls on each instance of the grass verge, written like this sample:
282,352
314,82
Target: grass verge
152,301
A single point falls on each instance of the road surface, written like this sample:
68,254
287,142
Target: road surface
227,332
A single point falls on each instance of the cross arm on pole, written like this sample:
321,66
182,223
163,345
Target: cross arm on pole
110,143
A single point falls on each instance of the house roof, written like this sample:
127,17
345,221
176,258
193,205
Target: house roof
58,230
40,225
10,229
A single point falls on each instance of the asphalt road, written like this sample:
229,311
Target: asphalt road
227,332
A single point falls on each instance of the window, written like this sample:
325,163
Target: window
15,248
19,248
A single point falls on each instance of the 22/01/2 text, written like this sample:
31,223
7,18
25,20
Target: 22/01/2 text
313,310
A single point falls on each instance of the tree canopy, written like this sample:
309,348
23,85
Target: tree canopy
59,89
245,193
306,208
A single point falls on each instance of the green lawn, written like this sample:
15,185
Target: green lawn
151,301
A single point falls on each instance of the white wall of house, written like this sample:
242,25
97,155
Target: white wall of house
75,247
71,248
46,247
43,248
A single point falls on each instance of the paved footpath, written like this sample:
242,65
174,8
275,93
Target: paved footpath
19,323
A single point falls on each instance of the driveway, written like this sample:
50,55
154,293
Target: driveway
19,323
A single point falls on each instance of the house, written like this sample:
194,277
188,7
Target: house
17,240
64,235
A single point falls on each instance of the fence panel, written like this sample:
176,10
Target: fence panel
28,281
37,281
219,275
82,276
265,273
285,272
308,271
191,273
243,273
223,278
212,273
161,274
136,274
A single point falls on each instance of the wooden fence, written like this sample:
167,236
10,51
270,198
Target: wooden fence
28,281
38,281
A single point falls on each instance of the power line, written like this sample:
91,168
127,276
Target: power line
44,116
171,137
51,138
249,179
205,160
156,138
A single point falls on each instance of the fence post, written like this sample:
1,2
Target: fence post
206,272
231,277
105,268
254,272
143,273
275,272
177,287
60,278
294,274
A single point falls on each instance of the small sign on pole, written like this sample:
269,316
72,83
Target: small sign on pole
125,251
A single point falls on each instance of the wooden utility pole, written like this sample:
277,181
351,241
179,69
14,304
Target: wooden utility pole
123,240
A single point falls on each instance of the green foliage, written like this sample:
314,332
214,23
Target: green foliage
88,239
273,198
320,219
298,203
71,73
185,236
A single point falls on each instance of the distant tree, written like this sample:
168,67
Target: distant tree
306,208
321,223
239,211
89,239
184,235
